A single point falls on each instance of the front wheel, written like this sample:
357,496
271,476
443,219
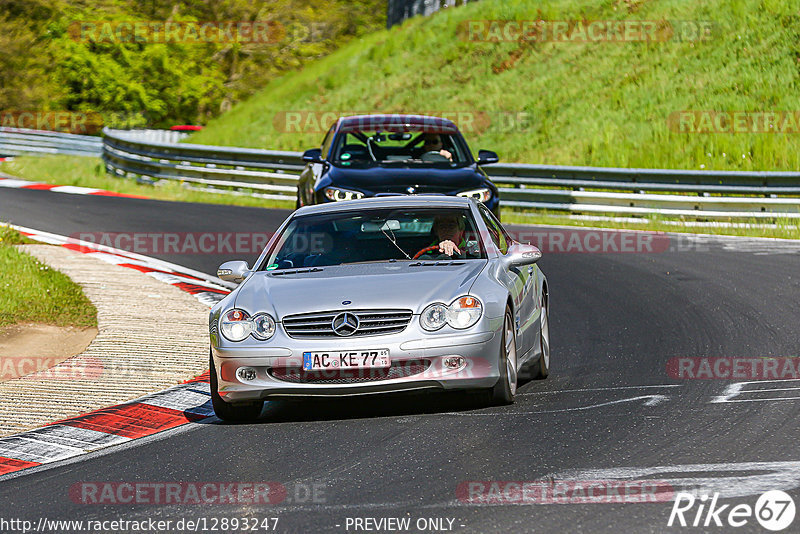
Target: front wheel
227,411
506,387
544,339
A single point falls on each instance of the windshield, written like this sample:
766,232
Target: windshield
374,236
361,148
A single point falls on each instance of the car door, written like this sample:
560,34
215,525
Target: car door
522,283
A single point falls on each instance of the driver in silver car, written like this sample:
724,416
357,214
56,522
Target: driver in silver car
449,230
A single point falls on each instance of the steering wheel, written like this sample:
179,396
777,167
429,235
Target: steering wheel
433,155
430,248
424,250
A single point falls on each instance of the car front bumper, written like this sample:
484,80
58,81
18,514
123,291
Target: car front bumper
417,357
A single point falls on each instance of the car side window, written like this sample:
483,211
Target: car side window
496,232
326,143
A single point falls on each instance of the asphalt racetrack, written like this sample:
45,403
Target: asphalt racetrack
611,414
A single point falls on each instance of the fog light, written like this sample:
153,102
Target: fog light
454,362
247,374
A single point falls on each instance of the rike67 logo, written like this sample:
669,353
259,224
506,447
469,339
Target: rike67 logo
774,510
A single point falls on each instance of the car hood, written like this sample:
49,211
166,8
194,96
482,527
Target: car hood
397,179
376,285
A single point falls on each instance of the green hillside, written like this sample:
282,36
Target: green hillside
577,103
83,56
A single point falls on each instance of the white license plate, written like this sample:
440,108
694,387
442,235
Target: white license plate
347,359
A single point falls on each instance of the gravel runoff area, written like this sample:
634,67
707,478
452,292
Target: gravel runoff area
151,335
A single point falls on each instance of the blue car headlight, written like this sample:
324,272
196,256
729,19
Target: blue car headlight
483,194
336,194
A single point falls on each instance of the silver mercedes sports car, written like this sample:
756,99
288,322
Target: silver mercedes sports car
380,295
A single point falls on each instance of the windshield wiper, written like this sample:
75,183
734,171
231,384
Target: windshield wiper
394,242
436,263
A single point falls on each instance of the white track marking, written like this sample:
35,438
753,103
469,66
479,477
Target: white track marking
728,479
9,182
650,400
74,190
738,389
598,389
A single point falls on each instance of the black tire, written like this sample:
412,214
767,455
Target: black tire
231,412
543,366
506,388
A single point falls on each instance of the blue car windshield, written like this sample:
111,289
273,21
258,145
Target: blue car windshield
375,235
369,148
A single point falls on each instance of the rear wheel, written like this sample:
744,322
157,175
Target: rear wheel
506,387
227,411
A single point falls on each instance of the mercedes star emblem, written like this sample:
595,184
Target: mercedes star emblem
345,324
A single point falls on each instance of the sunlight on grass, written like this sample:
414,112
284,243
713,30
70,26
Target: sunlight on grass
598,104
32,292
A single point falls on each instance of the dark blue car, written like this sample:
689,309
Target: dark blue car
373,155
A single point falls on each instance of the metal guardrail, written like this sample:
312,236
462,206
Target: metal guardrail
18,141
671,193
265,173
593,190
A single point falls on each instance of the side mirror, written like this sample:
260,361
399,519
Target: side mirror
519,254
313,155
487,156
233,271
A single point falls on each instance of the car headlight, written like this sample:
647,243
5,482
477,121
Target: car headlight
263,326
433,317
235,325
464,312
482,194
336,194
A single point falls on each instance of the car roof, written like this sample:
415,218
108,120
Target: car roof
399,201
396,122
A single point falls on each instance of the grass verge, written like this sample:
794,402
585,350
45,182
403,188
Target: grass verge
85,171
781,229
32,292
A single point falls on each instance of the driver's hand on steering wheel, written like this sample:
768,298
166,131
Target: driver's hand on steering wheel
447,154
448,247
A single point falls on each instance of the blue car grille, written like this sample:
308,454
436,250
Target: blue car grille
370,323
297,375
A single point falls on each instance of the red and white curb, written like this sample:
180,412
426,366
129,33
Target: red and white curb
15,183
207,289
173,407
